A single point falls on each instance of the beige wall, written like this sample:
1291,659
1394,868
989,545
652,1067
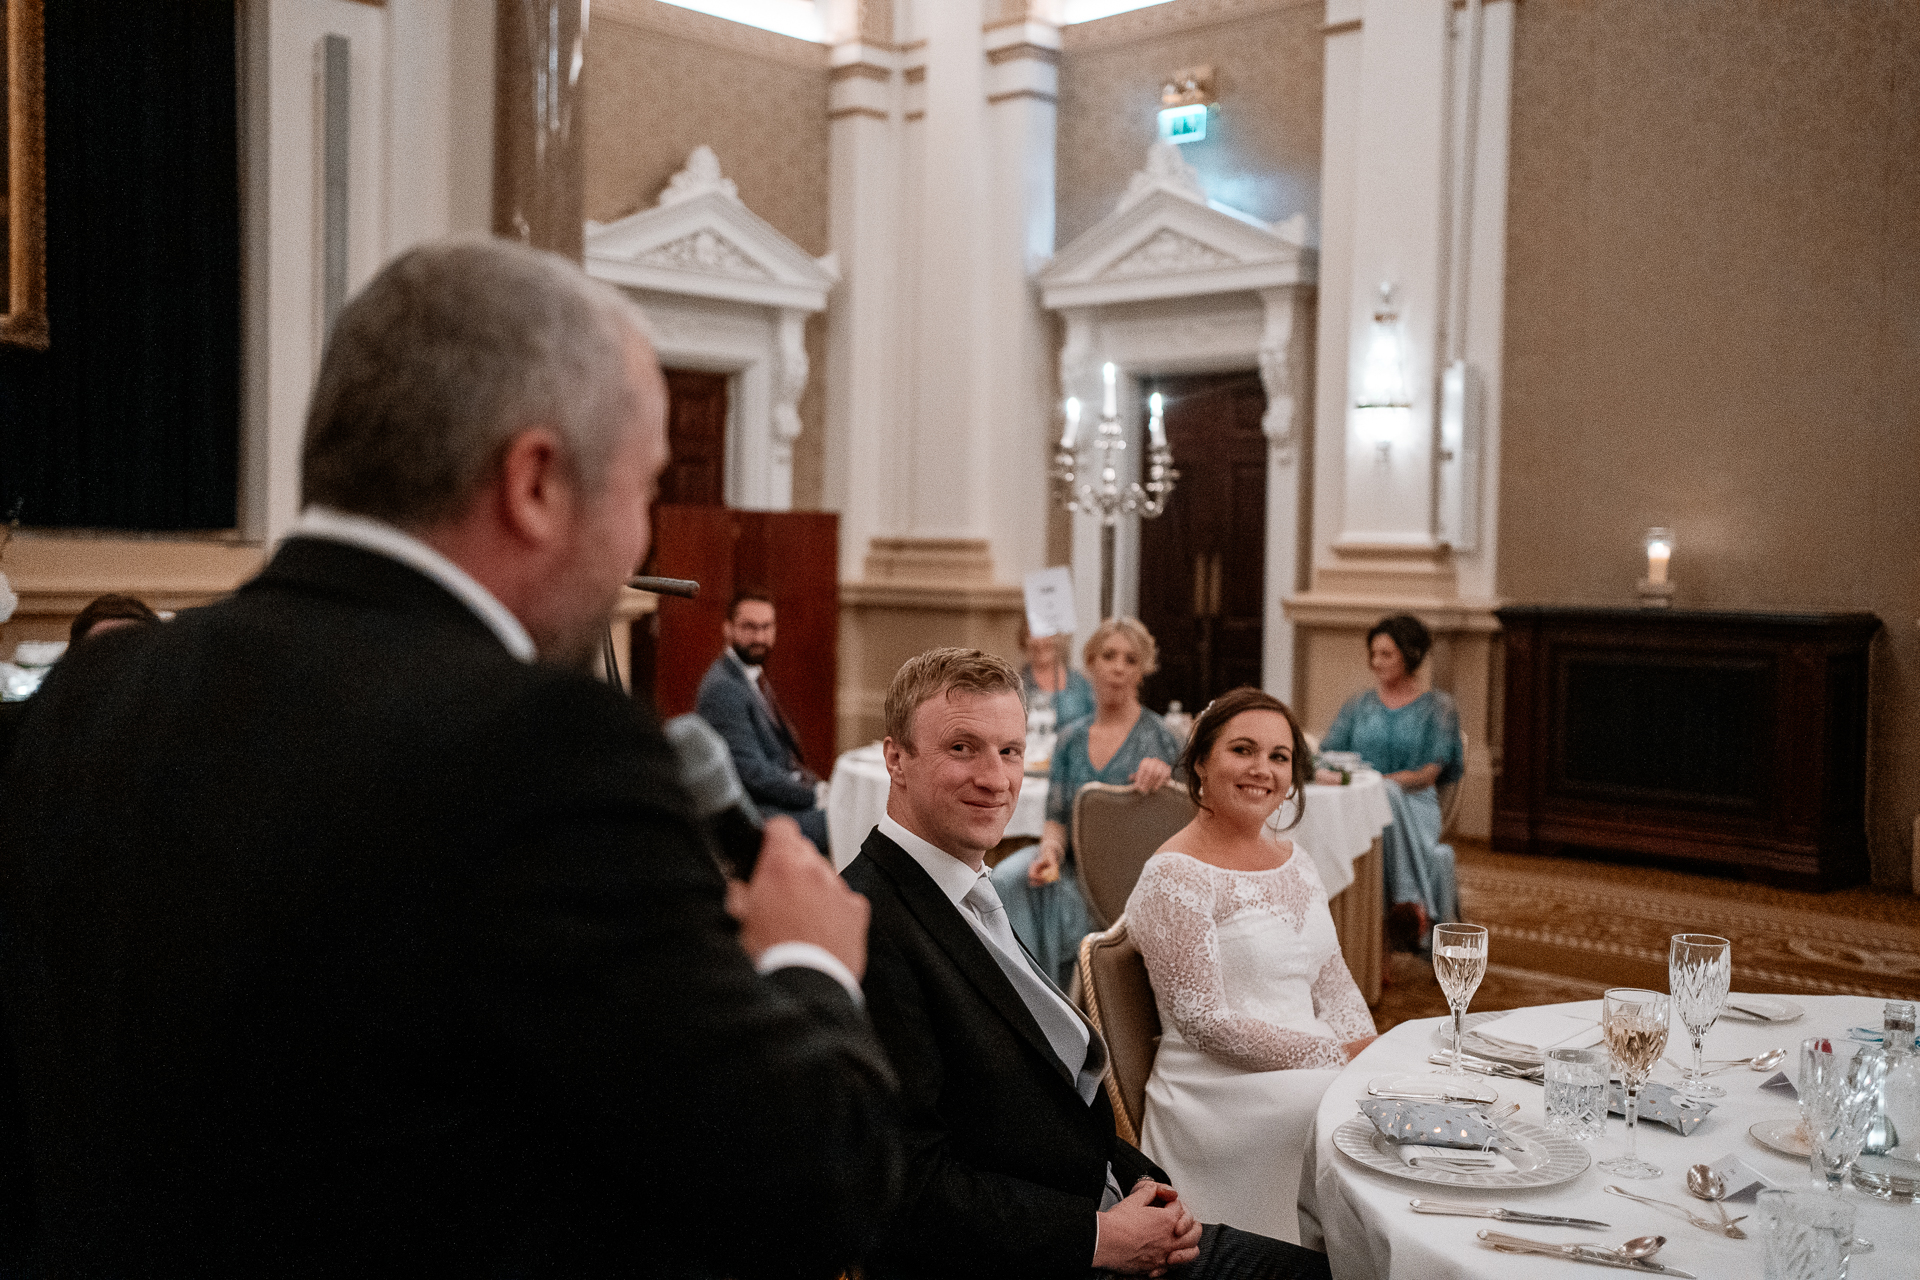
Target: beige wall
663,80
1262,151
1713,268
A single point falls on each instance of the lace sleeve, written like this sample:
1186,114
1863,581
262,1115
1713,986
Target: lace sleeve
1338,1003
1170,916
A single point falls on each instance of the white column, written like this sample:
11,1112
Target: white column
1283,375
863,480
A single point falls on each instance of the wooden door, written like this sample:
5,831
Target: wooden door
1203,562
794,556
696,473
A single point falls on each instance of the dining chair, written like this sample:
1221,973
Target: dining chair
1115,830
1120,1005
1450,792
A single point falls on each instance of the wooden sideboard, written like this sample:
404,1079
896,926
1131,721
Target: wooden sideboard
1734,738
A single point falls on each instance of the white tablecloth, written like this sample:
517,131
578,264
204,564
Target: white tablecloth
1371,1234
858,801
1340,825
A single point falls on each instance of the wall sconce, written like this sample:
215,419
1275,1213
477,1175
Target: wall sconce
1185,99
1656,589
1383,379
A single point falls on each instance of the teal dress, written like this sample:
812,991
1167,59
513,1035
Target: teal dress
1075,702
1053,918
1425,731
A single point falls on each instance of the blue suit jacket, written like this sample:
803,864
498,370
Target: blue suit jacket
760,750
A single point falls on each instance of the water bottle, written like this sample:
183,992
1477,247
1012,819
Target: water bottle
1889,1163
1178,721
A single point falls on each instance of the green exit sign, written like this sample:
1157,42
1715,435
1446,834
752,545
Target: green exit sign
1184,124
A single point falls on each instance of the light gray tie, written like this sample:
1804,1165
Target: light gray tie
1071,1037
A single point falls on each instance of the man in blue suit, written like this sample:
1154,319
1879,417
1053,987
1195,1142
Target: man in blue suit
736,700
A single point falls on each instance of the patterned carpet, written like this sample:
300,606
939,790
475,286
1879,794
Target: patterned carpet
1563,929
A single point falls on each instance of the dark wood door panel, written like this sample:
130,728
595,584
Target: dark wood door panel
696,472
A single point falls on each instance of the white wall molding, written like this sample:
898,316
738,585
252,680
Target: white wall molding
726,293
1169,283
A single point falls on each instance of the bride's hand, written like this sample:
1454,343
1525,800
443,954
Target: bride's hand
1353,1047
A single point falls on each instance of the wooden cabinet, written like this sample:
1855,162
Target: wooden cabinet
1691,736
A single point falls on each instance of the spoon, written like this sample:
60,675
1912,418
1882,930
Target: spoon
1704,1182
1640,1247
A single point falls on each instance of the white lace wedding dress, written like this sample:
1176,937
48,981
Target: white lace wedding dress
1255,1002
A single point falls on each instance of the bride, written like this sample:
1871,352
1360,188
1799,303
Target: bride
1257,1009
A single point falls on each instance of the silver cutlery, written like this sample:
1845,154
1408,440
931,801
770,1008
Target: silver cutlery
1727,1229
1505,1215
1487,1067
1580,1253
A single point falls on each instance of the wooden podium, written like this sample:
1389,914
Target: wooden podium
1683,735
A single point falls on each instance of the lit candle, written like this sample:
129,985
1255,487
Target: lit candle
1659,551
1071,436
1156,423
1111,406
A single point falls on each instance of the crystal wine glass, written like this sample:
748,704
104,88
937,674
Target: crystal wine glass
1838,1088
1635,1023
1699,970
1460,962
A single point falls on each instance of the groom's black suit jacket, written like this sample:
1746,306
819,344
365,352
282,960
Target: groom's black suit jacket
1005,1163
337,941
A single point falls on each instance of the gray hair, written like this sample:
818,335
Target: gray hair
451,351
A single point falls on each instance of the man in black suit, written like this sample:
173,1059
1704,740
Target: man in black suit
351,928
1013,1166
736,699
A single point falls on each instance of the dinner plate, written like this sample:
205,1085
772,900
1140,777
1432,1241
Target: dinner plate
1767,1009
1544,1159
1783,1135
1485,1048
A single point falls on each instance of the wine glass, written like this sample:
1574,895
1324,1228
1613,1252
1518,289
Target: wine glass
1460,962
1838,1089
1699,970
1635,1023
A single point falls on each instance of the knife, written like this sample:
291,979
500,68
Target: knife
1580,1253
1505,1215
1484,1067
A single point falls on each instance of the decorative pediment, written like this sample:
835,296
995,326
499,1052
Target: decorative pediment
1166,240
700,240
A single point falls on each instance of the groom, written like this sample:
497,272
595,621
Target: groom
1013,1166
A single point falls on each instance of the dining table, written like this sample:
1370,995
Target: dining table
1371,1232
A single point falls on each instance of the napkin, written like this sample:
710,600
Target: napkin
1661,1104
1545,1029
1874,1035
1454,1158
1433,1124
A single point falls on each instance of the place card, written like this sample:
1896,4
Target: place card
1780,1083
1744,1182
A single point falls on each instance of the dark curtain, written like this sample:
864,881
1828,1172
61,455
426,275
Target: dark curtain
131,420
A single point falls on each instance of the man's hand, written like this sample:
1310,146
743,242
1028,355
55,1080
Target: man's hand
1152,775
796,897
1147,1232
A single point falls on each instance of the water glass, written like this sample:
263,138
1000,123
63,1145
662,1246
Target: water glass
1577,1092
1699,970
1838,1088
1807,1235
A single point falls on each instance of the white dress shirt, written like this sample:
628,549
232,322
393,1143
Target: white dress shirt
383,539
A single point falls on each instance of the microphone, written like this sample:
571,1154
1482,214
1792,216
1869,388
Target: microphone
707,772
685,588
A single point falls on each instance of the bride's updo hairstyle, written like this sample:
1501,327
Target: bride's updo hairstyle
1213,722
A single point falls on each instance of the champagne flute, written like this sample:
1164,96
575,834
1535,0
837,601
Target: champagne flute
1635,1023
1699,970
1460,962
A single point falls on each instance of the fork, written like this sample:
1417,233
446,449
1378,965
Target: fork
1727,1229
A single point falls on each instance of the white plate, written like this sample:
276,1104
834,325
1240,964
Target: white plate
1783,1136
1544,1159
1765,1009
1482,1048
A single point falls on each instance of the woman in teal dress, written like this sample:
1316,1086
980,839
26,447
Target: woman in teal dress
1038,885
1413,738
1050,682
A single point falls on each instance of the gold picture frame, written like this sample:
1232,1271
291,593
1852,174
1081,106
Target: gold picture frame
23,286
